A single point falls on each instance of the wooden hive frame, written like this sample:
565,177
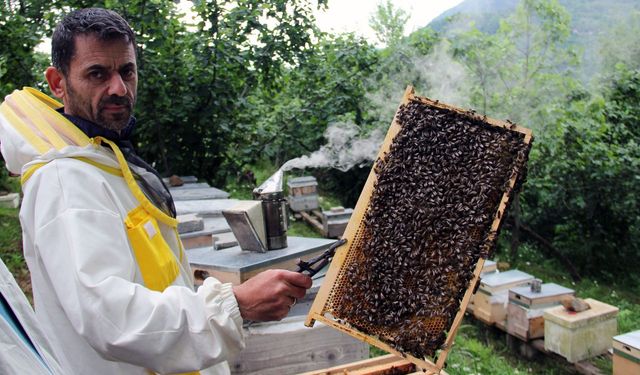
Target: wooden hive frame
319,311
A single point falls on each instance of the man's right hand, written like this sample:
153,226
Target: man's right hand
270,294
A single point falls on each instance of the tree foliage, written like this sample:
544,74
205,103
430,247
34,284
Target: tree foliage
22,27
237,83
524,68
388,22
327,86
584,195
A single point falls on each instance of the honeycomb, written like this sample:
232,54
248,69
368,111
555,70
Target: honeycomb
434,212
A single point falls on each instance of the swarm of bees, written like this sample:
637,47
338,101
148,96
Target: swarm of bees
428,222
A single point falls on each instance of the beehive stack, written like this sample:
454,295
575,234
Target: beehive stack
428,217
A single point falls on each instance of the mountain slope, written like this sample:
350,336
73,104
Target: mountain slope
592,22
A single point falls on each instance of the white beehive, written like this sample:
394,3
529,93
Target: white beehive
303,193
582,335
626,354
526,308
489,267
493,294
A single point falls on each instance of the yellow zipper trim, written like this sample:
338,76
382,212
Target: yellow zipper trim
111,170
33,115
45,99
24,108
135,189
47,107
32,169
24,130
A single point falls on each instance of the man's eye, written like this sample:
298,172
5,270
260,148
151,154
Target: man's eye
128,74
96,75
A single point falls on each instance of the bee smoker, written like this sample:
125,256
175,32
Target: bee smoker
274,210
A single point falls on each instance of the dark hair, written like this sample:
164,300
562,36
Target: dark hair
103,23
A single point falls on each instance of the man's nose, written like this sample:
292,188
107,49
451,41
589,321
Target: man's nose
117,86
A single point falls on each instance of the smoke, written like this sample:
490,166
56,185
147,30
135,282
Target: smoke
436,75
345,148
443,78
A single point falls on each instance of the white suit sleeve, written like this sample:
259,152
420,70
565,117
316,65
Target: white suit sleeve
82,242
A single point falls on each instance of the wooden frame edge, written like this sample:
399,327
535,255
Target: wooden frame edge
319,304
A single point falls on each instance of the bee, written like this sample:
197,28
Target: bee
436,188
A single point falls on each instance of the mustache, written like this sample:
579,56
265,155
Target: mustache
116,100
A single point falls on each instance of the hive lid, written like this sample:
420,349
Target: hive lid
302,181
495,282
489,266
547,290
234,259
345,213
631,339
598,312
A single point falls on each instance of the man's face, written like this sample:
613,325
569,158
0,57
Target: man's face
101,82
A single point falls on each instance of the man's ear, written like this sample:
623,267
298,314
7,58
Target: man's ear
56,81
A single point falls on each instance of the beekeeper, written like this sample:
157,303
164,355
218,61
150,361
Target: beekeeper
24,348
110,278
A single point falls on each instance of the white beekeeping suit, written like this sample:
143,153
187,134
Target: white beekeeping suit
110,278
24,350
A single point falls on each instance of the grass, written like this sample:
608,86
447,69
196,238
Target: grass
11,241
482,350
479,349
624,295
299,228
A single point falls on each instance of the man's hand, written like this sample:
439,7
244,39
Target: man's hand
270,294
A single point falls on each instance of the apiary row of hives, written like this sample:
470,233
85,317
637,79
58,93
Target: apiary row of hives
528,309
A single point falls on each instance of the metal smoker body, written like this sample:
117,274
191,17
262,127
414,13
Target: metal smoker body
275,216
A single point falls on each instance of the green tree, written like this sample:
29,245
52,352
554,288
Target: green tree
194,80
521,72
584,196
327,86
482,55
238,47
388,22
22,26
525,66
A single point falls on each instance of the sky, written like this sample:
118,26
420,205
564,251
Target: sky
353,15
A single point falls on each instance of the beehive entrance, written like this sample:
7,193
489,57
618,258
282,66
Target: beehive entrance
429,213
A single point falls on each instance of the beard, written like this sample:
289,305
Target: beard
81,106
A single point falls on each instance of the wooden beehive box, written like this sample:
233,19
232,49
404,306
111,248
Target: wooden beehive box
303,186
286,347
335,221
490,302
426,220
489,267
578,336
626,354
526,308
303,194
